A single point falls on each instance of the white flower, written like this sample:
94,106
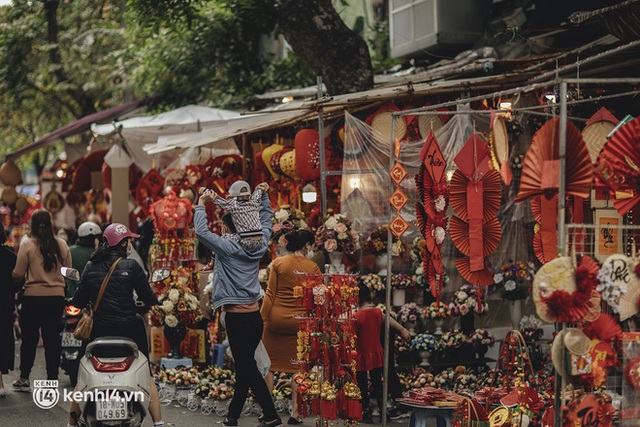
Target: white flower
497,278
303,225
440,203
167,306
171,321
193,305
396,248
461,295
282,215
439,234
510,285
331,222
174,295
420,271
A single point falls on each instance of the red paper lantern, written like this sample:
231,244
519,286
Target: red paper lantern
307,143
171,213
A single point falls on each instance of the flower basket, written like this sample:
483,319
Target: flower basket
410,312
513,280
376,243
337,234
468,299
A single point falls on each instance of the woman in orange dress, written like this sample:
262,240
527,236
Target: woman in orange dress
279,308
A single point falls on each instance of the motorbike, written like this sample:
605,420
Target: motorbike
113,378
71,346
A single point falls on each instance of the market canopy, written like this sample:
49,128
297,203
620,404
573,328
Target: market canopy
77,127
140,131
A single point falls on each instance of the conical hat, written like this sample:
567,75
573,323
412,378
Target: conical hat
381,122
574,340
595,136
429,123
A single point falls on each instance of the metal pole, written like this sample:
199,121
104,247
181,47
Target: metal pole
387,313
323,161
559,384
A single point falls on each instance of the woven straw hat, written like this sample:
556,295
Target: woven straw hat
382,124
557,274
574,340
499,142
595,136
428,123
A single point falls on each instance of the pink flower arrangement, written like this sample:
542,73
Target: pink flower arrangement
411,312
286,220
337,234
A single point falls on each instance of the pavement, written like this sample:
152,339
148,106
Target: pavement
19,409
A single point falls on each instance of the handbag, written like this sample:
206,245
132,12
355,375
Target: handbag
85,324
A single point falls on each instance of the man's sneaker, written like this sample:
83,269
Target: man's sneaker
230,422
19,385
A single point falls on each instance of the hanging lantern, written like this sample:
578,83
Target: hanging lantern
22,205
171,213
307,143
275,160
288,163
9,195
10,174
267,155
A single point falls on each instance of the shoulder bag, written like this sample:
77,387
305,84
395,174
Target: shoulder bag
85,324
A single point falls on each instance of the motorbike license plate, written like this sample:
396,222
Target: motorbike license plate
68,340
113,409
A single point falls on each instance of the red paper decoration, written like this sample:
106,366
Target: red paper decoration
171,213
307,148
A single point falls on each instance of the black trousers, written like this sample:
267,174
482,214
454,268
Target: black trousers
376,388
41,314
244,331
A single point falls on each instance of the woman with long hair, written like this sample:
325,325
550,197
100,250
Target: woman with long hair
280,308
39,260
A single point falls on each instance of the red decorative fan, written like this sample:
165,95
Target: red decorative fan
459,231
540,171
618,165
491,188
483,277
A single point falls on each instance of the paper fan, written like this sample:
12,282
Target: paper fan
618,165
478,278
541,163
629,300
491,201
499,142
604,328
538,248
598,127
491,234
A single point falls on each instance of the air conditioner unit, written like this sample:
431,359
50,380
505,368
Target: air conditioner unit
435,25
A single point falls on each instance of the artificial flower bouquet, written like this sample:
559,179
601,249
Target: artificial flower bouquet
482,339
418,248
453,340
531,328
410,312
337,234
376,243
401,345
468,299
286,220
425,342
513,280
437,310
373,282
176,305
401,281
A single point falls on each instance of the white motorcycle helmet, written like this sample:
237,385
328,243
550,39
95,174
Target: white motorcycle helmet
89,228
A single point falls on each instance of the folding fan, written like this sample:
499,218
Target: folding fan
491,233
491,191
540,170
618,165
483,277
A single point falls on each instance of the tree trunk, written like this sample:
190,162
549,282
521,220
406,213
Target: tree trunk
318,36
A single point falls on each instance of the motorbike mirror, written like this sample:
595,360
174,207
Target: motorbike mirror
70,273
160,274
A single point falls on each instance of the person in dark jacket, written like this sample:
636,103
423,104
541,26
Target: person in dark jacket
117,314
7,307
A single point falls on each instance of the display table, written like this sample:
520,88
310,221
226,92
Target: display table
168,363
420,414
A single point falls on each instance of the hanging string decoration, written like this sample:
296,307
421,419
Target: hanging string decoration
431,209
540,178
475,199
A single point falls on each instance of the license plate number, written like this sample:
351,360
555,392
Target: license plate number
68,340
113,409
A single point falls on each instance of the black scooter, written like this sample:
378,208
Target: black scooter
71,346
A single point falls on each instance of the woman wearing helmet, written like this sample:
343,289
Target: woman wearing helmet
88,235
117,314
